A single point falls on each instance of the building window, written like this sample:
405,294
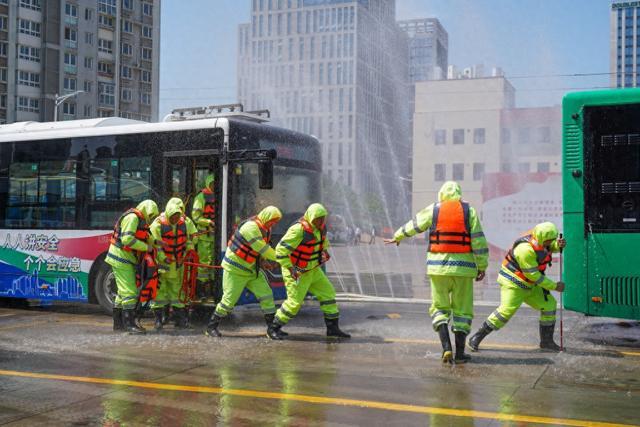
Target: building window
88,38
71,10
88,63
147,31
147,9
544,167
29,27
30,4
544,134
88,111
105,21
88,14
147,53
105,68
70,59
30,105
70,84
505,136
440,172
107,6
524,135
126,72
127,26
524,167
29,53
127,49
145,98
105,46
4,48
127,4
106,94
146,76
440,136
3,75
458,171
26,78
478,171
4,23
69,108
88,86
458,136
3,102
478,136
70,37
127,95
506,167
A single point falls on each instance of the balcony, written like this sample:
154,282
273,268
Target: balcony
70,69
72,44
71,20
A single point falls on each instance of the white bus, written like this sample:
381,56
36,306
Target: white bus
63,185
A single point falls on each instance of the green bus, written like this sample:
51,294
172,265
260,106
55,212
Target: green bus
601,202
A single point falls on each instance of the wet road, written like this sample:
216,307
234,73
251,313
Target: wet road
63,366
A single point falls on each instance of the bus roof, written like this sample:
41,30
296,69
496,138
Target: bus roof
31,131
611,96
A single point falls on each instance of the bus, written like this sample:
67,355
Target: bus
601,202
63,185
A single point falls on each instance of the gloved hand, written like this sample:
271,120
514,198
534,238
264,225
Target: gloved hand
294,273
560,287
480,276
561,242
325,257
389,241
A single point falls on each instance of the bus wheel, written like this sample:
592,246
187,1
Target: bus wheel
104,288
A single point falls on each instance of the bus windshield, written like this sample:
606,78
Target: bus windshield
293,192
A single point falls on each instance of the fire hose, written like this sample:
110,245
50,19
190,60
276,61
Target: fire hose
190,275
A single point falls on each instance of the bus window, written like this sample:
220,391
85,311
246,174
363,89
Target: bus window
57,194
23,195
135,179
178,181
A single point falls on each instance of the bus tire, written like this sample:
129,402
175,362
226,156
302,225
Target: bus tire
104,287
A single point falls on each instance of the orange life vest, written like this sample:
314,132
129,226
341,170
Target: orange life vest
242,247
174,244
147,278
310,248
450,230
209,204
542,255
141,233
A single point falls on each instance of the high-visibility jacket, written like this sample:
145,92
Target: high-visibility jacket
449,232
241,247
174,239
141,233
310,249
525,264
248,243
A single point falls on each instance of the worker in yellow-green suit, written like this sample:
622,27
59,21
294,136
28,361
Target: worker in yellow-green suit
247,251
203,213
522,279
173,230
457,254
300,253
129,241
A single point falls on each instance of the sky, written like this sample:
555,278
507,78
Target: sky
539,44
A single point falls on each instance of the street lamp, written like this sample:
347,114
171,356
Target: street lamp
60,99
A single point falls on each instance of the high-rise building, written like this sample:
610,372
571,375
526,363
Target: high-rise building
625,42
428,49
336,69
109,49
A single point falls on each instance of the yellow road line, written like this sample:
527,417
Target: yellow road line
387,406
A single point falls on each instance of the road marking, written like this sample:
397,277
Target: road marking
387,406
394,315
7,314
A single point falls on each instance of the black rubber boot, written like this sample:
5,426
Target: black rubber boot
212,326
445,340
181,318
333,329
159,315
130,324
201,290
118,325
268,318
546,338
461,337
166,314
274,332
476,339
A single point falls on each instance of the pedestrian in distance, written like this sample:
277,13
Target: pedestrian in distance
248,250
522,279
129,241
173,231
457,255
372,235
300,253
203,213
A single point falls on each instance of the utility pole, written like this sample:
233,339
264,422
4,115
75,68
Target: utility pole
60,99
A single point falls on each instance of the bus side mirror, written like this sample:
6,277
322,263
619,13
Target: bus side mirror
265,174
